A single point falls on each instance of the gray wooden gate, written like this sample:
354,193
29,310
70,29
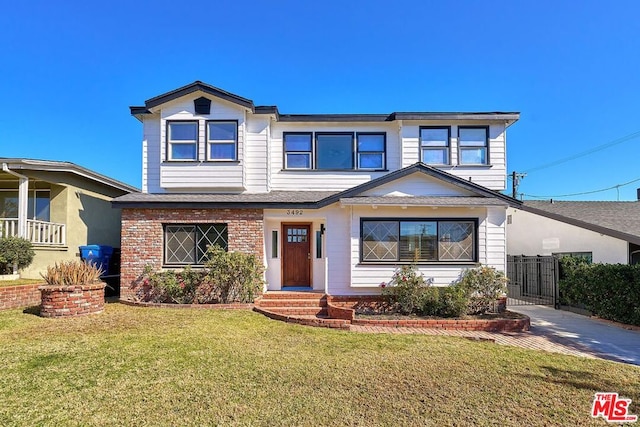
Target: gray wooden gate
533,280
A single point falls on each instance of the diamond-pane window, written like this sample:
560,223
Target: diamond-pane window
455,241
187,244
418,240
379,240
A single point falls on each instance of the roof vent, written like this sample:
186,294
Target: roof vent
638,194
202,105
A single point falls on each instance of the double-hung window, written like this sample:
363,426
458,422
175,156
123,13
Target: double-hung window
418,240
473,145
334,150
434,145
187,244
371,149
222,140
298,149
182,140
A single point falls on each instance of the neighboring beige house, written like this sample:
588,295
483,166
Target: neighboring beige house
58,206
604,232
332,202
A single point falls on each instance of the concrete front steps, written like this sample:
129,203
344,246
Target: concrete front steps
304,308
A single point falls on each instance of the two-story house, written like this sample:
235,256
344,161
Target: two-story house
331,202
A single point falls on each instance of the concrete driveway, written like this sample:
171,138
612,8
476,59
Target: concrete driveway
603,339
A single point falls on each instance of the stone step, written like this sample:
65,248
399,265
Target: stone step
298,311
293,295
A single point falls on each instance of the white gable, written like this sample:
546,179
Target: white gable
418,184
183,109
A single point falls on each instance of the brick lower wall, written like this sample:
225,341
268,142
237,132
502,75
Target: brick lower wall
19,296
142,237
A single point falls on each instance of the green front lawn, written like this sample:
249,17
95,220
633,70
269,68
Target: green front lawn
140,366
21,282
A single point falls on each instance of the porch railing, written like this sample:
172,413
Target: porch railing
38,232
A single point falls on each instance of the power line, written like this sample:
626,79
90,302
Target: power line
617,186
585,153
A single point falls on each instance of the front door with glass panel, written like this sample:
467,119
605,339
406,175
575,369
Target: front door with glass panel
296,255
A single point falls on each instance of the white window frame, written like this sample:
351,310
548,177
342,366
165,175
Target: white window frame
444,148
211,142
485,147
171,142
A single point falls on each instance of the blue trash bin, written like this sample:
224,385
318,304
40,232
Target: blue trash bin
99,255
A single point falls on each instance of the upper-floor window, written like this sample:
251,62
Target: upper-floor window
182,140
222,140
434,145
334,150
298,150
371,149
473,145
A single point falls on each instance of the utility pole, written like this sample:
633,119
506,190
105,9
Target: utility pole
515,180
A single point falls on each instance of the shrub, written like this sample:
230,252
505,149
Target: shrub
71,273
227,277
407,289
236,276
454,301
611,291
449,301
483,285
15,250
171,286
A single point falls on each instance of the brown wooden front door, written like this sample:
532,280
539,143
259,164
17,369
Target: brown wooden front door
296,255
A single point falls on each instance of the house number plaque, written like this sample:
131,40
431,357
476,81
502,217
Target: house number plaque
294,212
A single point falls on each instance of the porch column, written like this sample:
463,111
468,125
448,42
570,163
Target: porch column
23,200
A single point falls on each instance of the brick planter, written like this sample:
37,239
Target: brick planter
69,301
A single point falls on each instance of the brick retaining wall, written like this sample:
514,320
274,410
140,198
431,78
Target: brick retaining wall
142,237
19,296
67,301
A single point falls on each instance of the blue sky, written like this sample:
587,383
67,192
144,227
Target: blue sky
70,70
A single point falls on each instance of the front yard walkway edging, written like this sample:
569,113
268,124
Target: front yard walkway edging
232,306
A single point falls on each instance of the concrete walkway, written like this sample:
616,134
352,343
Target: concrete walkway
597,337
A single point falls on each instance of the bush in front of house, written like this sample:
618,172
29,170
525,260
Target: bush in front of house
15,250
71,273
610,291
227,277
237,276
407,290
483,286
475,293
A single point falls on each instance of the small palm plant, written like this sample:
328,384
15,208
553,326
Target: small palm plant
72,273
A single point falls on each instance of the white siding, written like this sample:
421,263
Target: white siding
417,184
492,176
151,154
531,234
201,175
329,180
256,153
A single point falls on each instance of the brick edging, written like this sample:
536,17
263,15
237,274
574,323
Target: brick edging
233,306
487,325
19,296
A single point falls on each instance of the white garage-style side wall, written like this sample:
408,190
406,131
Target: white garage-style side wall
532,234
